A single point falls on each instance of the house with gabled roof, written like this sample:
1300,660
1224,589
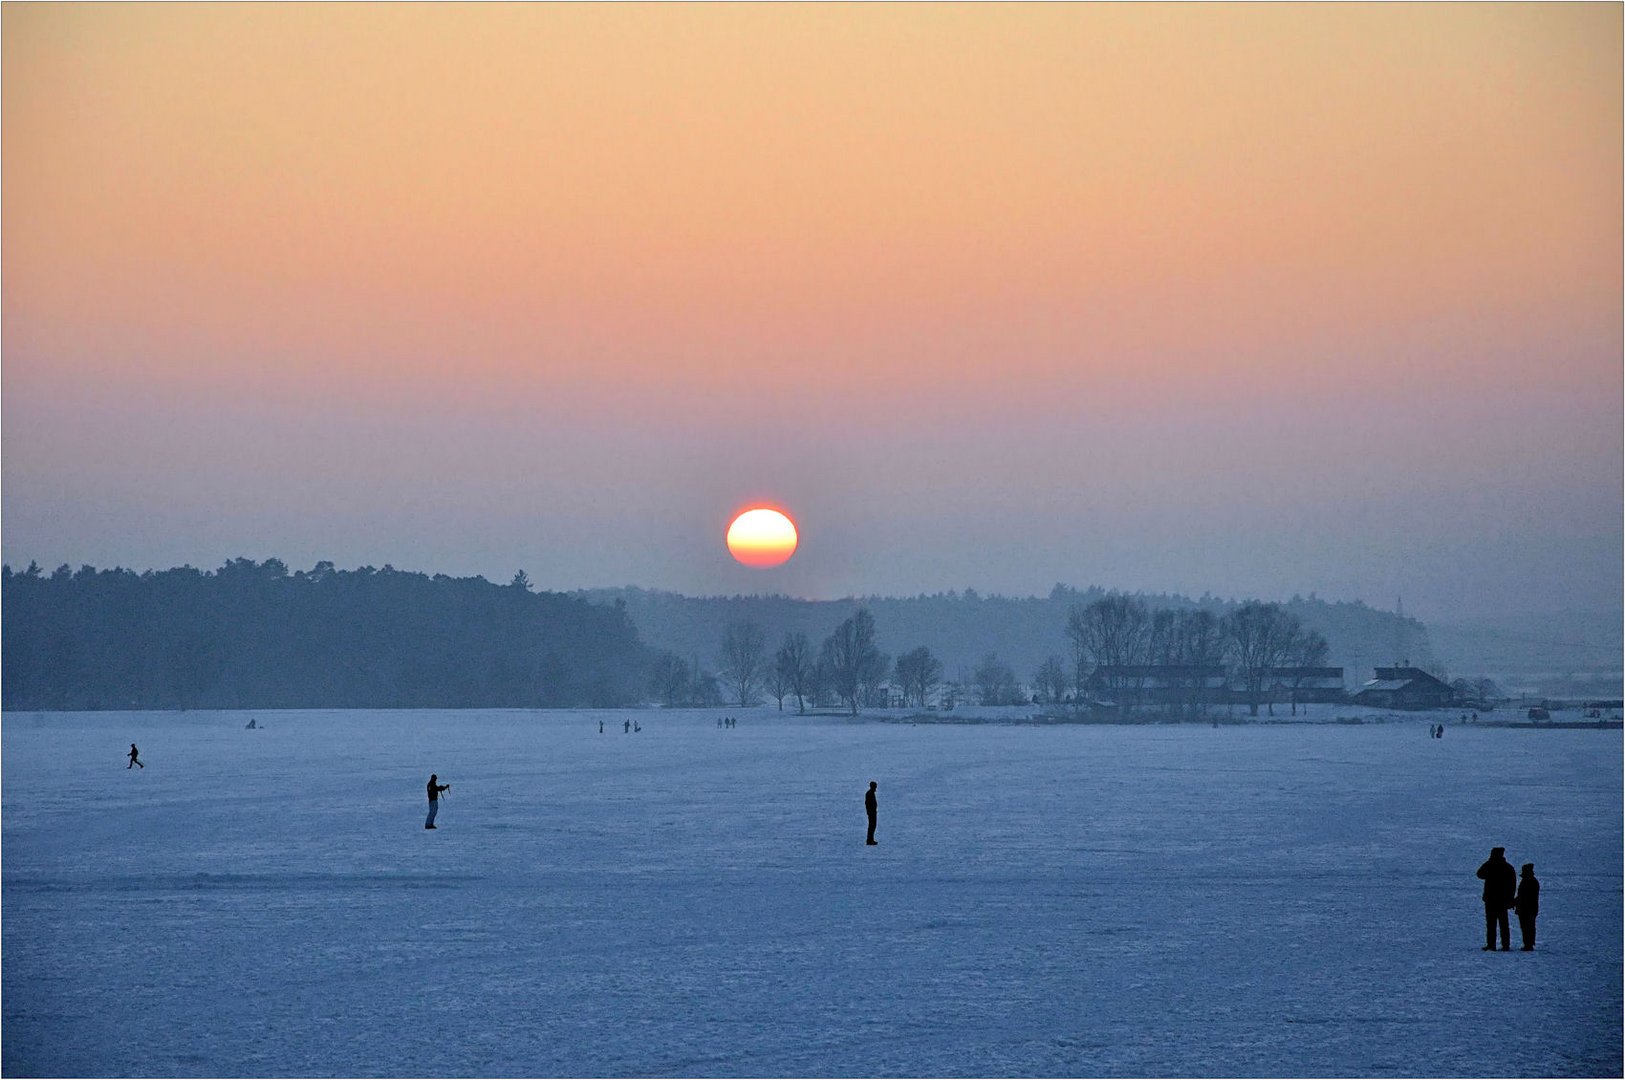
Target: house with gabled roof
1405,688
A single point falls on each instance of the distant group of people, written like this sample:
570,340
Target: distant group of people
1435,731
726,722
1504,891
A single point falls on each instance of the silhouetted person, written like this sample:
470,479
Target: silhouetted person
636,726
626,727
1440,735
1500,890
250,724
134,759
1528,905
869,808
600,727
434,799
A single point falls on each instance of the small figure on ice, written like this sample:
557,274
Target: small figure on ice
434,799
626,727
1528,905
1500,889
870,809
134,758
250,725
600,727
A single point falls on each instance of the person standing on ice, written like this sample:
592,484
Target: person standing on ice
434,799
1500,890
870,809
134,758
1528,905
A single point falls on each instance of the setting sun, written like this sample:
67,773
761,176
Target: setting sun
762,538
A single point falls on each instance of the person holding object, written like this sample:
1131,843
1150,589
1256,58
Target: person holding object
434,799
1500,889
1528,905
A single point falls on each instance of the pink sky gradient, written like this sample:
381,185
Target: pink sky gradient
1253,299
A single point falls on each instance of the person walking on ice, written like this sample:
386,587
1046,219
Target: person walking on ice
1500,887
870,809
134,758
1528,905
434,799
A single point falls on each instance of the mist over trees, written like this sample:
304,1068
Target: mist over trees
254,635
959,628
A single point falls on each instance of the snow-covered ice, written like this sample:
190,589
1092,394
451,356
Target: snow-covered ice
690,900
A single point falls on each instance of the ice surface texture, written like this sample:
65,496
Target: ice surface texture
690,900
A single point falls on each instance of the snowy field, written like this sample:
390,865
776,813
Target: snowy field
687,900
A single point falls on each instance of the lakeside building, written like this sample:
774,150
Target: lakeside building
1405,688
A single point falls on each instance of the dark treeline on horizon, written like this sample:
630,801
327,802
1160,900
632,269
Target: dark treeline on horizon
254,635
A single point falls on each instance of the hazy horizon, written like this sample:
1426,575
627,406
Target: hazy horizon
1245,300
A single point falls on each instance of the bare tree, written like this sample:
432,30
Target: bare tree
1258,636
918,672
1051,679
1113,631
793,668
669,679
743,646
874,677
778,682
1307,649
995,682
854,662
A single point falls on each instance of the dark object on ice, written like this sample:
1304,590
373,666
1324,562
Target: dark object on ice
1538,713
1500,891
636,726
1528,905
434,799
869,807
626,727
134,760
250,725
600,727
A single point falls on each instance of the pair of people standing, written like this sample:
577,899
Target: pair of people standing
1503,891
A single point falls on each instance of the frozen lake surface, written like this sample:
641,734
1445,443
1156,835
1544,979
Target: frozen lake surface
689,900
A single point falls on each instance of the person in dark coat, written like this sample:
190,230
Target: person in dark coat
135,758
434,799
870,809
1528,905
1500,890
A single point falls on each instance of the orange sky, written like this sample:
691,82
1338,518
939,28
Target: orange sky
575,237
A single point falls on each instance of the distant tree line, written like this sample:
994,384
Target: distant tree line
254,635
1252,642
960,629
